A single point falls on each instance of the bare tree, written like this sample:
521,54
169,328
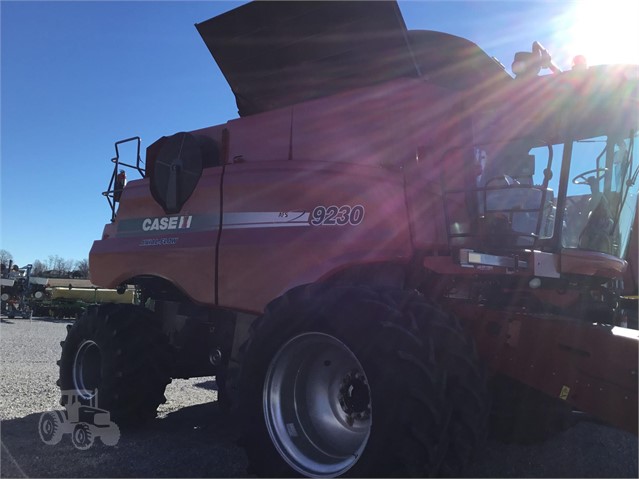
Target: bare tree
38,268
5,257
82,268
59,265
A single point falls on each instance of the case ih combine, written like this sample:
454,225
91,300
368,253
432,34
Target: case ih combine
393,225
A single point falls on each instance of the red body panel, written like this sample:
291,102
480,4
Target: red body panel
593,367
383,125
344,151
258,262
184,256
268,244
590,263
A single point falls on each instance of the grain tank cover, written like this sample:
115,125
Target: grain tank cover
275,54
456,63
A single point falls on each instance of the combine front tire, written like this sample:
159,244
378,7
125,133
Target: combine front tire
120,351
337,380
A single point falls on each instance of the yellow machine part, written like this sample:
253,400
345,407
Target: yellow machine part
93,295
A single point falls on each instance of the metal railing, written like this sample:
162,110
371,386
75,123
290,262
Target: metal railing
114,190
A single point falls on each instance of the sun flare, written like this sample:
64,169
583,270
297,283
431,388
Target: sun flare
604,32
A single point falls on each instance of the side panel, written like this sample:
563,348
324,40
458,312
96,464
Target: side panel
593,367
382,125
291,222
437,168
405,123
263,137
143,240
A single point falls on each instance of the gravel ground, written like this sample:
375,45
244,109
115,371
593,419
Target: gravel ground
192,437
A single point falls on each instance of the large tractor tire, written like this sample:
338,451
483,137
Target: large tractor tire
120,351
339,380
466,385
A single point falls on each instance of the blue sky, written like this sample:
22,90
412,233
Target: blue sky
77,76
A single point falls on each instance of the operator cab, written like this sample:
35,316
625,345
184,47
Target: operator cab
602,195
553,169
522,200
515,200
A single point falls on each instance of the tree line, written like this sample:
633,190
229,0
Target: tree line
53,267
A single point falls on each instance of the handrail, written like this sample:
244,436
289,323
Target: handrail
113,192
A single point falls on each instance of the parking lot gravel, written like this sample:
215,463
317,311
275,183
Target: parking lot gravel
193,437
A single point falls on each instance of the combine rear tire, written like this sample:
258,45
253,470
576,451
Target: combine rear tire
120,351
339,380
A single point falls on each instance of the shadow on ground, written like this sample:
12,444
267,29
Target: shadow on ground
208,385
200,441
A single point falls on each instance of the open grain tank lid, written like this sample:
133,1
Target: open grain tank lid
275,54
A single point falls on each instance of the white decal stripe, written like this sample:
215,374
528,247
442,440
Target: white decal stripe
263,225
266,219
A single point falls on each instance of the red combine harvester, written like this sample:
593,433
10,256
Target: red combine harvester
392,230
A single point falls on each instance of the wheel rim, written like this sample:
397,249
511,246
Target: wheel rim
47,427
87,369
317,405
82,436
